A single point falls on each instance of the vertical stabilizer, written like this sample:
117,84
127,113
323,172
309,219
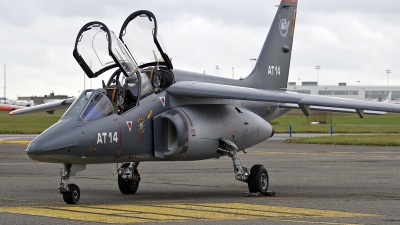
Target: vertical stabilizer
272,68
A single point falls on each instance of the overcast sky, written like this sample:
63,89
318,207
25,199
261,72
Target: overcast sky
352,41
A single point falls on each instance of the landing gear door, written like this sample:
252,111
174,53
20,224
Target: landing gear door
140,36
97,50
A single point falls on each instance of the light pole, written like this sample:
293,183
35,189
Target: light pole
233,73
317,68
4,84
388,72
358,83
217,68
299,81
252,61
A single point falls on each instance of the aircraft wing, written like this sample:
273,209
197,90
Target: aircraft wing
48,107
304,101
330,109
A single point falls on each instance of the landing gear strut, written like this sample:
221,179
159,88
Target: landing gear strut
128,178
257,178
71,193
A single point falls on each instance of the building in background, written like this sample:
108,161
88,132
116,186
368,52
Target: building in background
26,103
45,99
372,93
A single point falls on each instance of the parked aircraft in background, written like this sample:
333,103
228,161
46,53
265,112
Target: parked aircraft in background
153,112
7,107
388,99
10,105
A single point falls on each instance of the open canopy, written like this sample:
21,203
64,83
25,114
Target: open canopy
97,50
142,39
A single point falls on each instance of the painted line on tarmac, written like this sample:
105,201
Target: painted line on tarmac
16,142
183,212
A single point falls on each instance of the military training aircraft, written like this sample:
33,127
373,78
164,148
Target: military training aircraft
149,111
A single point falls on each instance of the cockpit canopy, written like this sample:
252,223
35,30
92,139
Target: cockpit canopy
140,35
97,50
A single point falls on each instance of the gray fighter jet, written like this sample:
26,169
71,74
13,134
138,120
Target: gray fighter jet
149,111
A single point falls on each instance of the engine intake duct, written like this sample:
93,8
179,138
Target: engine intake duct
194,132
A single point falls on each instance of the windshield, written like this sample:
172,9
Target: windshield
99,106
76,108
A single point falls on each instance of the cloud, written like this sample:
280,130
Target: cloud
351,40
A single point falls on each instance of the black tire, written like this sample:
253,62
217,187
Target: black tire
258,180
73,195
127,187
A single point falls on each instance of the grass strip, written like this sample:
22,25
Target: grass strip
369,140
36,123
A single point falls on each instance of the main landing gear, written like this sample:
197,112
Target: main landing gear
256,179
128,178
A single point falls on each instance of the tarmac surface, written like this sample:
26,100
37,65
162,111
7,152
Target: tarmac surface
314,184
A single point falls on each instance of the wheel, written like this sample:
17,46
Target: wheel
258,180
73,195
127,186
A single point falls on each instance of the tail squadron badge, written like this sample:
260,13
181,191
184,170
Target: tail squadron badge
284,27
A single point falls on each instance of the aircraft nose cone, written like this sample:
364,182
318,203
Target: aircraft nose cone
51,143
33,149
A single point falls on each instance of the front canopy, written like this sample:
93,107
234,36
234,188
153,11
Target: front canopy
97,50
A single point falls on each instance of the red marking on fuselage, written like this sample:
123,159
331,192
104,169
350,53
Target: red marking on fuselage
184,123
120,133
187,117
162,99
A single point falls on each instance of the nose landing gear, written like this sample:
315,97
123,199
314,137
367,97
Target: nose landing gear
71,192
73,195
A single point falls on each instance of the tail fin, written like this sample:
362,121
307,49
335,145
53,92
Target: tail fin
272,68
388,98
